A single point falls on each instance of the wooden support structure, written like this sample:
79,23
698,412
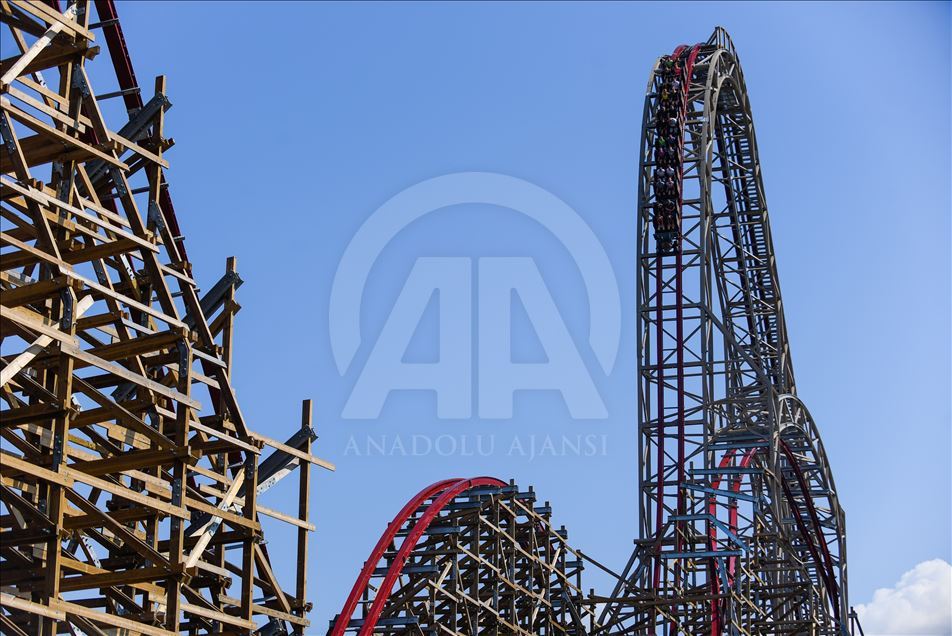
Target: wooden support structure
129,478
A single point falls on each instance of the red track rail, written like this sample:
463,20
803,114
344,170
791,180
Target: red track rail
829,572
444,491
679,332
679,335
821,556
731,523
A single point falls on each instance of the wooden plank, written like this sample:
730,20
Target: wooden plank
38,346
17,603
39,254
32,292
209,430
125,300
58,53
304,502
8,627
267,611
139,460
66,269
46,199
79,124
41,43
95,252
52,16
80,521
135,627
215,521
280,516
54,134
125,417
218,616
36,322
240,502
125,435
155,592
230,517
293,451
265,572
43,90
38,412
127,493
91,107
10,464
105,578
124,373
159,341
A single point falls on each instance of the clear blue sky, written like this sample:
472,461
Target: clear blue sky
295,121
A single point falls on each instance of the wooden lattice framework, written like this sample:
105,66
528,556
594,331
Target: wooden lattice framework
130,478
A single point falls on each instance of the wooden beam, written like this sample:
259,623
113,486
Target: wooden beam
18,67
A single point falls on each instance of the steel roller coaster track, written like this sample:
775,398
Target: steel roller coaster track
742,530
717,397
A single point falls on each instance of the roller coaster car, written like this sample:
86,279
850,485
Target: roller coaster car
667,156
666,224
667,241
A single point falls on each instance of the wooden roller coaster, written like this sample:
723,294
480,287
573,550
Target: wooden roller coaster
130,478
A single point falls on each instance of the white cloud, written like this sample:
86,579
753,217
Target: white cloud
919,603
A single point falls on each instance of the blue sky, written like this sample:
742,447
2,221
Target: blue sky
294,122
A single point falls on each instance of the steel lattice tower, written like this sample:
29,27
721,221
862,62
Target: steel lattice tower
742,529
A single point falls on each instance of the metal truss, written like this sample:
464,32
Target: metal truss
131,481
742,530
469,556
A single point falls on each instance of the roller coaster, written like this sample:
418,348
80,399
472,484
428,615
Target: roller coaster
741,528
133,489
122,493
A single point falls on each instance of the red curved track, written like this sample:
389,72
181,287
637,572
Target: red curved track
731,524
829,573
444,492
